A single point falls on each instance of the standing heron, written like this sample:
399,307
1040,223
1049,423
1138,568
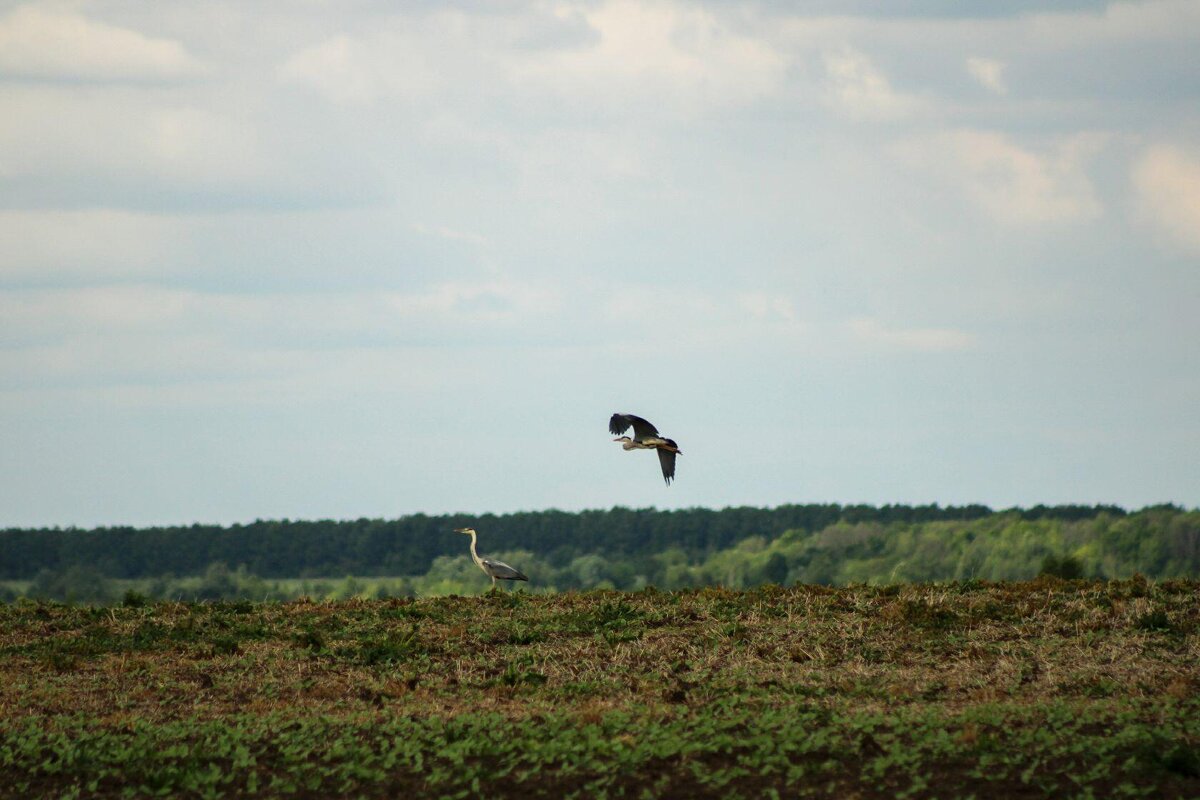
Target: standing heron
493,569
645,437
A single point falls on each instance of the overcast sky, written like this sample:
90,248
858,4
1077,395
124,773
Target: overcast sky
308,259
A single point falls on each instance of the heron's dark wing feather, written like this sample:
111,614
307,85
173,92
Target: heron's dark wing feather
666,458
641,428
498,569
619,423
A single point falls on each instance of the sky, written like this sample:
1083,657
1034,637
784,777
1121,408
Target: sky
366,259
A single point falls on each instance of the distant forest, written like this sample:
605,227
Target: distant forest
619,548
408,545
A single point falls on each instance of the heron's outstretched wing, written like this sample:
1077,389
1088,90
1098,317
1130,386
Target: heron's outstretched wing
619,423
666,458
498,569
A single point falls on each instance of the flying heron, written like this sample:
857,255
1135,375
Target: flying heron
645,437
493,569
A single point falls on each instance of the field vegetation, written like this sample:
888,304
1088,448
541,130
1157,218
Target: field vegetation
1043,688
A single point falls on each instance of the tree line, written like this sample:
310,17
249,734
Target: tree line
410,544
1159,542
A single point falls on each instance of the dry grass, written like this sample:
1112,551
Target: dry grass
963,659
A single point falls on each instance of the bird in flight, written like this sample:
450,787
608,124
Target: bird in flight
645,437
492,568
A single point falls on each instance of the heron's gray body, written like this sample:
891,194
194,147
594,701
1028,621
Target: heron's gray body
645,437
492,568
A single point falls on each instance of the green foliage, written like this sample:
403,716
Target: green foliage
134,599
388,647
75,584
880,548
723,752
409,545
995,547
1067,567
1156,620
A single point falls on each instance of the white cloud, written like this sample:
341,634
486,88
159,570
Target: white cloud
1167,181
434,53
856,86
767,306
200,145
644,307
90,244
989,73
925,340
58,44
474,302
56,133
451,234
1013,184
1136,21
439,55
117,148
338,68
680,55
92,312
448,311
654,325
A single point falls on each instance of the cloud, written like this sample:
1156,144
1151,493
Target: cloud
359,71
334,69
92,313
60,45
1013,184
92,244
767,306
1167,182
57,133
680,55
989,73
856,86
645,322
150,335
922,340
1118,22
437,53
139,149
68,150
78,319
463,302
451,234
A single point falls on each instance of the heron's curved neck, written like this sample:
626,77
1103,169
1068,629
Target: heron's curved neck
474,555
